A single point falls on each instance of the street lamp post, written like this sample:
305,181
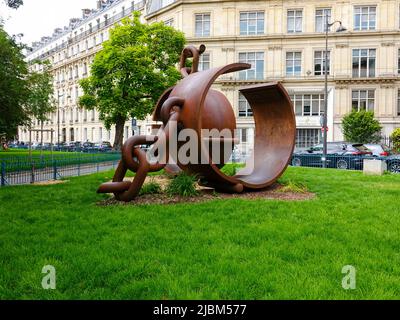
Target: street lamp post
58,118
325,115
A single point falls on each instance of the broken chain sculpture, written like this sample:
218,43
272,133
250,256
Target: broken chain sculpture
191,103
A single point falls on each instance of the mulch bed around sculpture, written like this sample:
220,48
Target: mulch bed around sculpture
276,192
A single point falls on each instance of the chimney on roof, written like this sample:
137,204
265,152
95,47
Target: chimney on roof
86,13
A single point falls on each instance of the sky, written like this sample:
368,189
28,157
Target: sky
38,18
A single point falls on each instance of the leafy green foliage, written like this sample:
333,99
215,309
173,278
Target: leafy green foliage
40,97
232,168
395,136
361,126
151,187
132,70
183,184
14,89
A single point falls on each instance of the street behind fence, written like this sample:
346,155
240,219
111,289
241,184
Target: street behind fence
25,171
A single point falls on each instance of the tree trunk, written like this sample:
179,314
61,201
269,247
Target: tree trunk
119,133
41,139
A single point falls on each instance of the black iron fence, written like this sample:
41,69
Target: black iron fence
18,170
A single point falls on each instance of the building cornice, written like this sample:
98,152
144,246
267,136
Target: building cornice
304,36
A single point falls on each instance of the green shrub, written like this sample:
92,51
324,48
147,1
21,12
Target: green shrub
151,187
296,187
183,184
361,126
395,136
231,169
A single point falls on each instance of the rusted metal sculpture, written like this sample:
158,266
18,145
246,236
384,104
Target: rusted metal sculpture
193,104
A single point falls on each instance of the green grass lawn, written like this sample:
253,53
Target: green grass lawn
223,249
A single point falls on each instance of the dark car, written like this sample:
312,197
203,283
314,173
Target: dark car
104,146
62,146
47,146
75,146
340,155
88,147
393,163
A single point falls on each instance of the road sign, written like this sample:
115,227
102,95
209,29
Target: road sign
323,129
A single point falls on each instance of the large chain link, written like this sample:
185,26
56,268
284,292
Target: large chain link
135,159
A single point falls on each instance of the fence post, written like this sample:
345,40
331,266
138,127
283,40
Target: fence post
3,173
55,170
32,172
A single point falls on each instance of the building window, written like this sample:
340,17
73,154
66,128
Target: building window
203,25
85,137
256,59
93,115
398,62
84,68
364,63
307,137
308,104
169,22
364,18
100,134
293,63
244,107
204,62
398,103
319,63
294,21
251,23
322,17
76,72
363,100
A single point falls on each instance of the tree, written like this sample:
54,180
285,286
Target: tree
15,4
13,85
40,96
130,73
395,136
361,126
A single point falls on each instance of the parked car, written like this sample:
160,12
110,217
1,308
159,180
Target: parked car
75,146
379,150
393,163
104,146
88,147
47,146
36,146
62,146
340,155
383,152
